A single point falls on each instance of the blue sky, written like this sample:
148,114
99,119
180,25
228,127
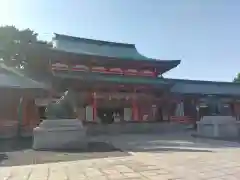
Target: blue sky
204,34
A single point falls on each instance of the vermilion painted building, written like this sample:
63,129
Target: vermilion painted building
117,83
18,112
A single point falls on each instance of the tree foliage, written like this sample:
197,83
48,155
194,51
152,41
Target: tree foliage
237,78
13,42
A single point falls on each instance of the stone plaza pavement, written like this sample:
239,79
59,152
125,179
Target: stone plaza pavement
160,157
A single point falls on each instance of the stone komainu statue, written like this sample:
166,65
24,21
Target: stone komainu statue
64,108
62,129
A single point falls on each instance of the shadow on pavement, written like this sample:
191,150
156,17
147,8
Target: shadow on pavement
170,150
163,148
18,152
170,143
16,144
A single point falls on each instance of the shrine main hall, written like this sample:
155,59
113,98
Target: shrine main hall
118,84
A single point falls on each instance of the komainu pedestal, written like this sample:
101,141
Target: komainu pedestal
61,130
59,134
218,127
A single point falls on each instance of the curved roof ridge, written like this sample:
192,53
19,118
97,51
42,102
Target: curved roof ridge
117,51
95,41
141,55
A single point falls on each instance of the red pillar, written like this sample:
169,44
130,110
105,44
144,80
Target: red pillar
155,72
237,110
135,114
94,106
24,112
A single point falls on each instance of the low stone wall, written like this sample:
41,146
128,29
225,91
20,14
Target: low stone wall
131,128
93,129
218,126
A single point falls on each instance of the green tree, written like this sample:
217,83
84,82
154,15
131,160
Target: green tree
15,42
237,78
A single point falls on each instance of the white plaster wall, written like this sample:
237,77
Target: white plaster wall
89,113
180,109
127,114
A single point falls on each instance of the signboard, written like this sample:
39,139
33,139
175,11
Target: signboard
80,68
147,73
59,66
131,72
99,69
116,71
114,95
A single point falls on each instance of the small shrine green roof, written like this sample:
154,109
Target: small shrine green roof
200,87
9,78
179,86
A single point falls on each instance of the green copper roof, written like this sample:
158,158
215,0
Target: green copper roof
112,50
204,87
9,78
97,47
113,78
